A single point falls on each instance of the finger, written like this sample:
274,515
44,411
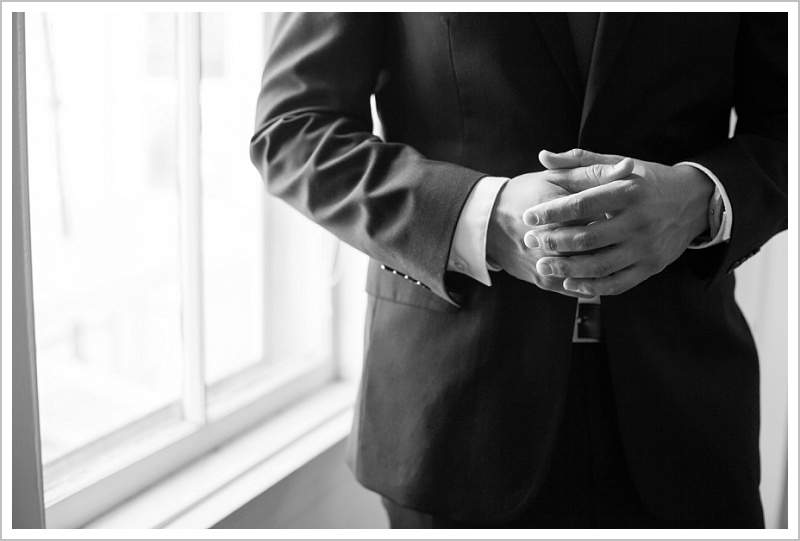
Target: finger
605,199
598,234
557,285
580,178
615,284
577,157
597,265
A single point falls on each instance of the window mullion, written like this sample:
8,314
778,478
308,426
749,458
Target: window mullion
188,62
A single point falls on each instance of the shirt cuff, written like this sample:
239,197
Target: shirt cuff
726,220
468,250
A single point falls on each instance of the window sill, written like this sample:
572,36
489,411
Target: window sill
215,485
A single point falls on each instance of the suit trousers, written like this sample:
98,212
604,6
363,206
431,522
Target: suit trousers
588,484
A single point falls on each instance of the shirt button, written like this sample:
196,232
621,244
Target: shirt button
460,265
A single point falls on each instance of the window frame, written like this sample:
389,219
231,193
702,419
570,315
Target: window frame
88,482
27,486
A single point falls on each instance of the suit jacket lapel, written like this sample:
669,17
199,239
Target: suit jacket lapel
611,32
555,31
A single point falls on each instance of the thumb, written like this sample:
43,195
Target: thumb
577,157
582,178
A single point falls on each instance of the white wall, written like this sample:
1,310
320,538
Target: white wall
762,292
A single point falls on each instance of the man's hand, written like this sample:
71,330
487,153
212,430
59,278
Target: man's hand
506,240
652,216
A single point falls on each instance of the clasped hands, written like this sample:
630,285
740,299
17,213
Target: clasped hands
596,224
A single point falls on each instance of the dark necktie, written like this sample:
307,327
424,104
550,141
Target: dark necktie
583,27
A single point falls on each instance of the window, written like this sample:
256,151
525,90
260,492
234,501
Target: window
175,303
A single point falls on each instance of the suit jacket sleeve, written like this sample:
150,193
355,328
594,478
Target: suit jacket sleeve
315,149
753,164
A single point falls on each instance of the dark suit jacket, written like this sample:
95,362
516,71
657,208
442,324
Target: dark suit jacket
463,384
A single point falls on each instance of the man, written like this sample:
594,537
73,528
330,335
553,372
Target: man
497,391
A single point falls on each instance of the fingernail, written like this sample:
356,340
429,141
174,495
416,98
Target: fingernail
530,240
530,218
544,269
571,287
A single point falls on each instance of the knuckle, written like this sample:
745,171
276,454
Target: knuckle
578,206
561,270
632,191
553,284
600,269
585,241
548,283
595,171
612,290
550,243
